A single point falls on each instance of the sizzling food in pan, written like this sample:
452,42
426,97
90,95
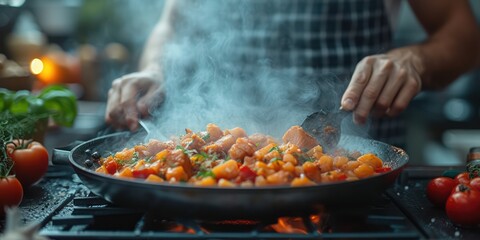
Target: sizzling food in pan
229,158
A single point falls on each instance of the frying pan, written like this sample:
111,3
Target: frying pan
184,200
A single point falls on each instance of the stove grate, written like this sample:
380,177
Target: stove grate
93,217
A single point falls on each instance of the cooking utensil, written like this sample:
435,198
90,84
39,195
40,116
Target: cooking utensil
184,200
325,126
147,126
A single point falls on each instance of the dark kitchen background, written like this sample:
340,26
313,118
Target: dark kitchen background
89,43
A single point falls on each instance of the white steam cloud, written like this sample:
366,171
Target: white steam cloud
213,75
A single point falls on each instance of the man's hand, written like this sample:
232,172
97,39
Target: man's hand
132,96
384,84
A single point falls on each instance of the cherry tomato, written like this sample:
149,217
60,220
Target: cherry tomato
475,183
438,190
11,193
30,161
463,207
463,178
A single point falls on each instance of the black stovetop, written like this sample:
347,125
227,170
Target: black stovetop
66,209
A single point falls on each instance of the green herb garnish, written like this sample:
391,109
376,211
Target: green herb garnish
204,173
206,137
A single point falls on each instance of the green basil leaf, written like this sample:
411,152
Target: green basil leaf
5,98
61,103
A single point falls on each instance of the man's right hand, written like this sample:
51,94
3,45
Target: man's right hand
132,97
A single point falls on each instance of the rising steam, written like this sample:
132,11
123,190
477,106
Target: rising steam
215,74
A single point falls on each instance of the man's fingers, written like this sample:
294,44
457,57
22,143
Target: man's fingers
359,81
406,94
152,99
395,82
372,90
113,111
128,103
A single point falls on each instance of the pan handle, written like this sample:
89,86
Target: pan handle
60,156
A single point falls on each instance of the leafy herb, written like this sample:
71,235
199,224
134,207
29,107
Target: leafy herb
13,127
148,159
274,149
205,173
54,101
135,157
304,158
206,137
186,151
275,159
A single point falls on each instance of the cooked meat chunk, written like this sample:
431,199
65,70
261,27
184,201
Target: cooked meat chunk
261,140
214,132
236,132
193,142
243,147
179,158
221,145
154,146
296,135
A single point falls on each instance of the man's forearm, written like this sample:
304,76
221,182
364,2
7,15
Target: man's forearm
453,42
162,32
444,60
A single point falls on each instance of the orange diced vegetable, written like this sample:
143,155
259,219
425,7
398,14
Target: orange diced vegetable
364,170
176,174
301,181
154,178
371,159
227,170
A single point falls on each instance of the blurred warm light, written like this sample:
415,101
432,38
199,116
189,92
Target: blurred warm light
46,70
36,66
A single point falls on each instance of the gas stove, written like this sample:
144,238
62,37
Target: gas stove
66,209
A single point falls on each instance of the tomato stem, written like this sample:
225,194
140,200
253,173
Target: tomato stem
463,188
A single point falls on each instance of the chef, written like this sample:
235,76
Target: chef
351,39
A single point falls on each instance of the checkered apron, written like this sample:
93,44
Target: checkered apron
319,39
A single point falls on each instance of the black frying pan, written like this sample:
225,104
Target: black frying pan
183,200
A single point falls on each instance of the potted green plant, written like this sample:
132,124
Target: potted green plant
54,102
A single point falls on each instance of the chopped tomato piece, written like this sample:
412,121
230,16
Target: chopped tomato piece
142,173
383,169
111,167
247,174
342,176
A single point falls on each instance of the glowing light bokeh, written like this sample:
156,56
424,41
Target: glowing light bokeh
36,66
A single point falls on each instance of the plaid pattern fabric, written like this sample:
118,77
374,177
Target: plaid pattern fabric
301,38
327,36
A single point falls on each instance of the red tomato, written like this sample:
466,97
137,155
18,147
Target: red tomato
463,178
438,190
11,193
30,161
247,174
383,169
111,167
463,207
142,173
342,176
475,183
